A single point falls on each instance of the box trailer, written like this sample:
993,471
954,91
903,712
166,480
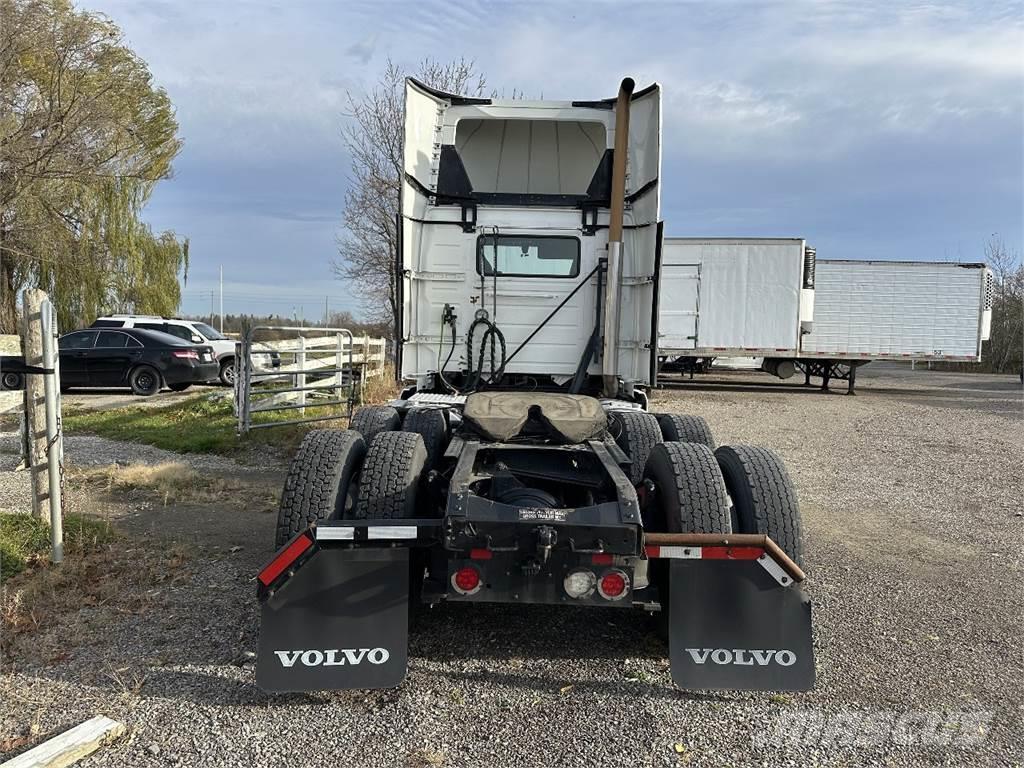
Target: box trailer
520,463
733,297
894,310
902,310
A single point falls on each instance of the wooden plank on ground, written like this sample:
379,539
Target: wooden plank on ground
69,747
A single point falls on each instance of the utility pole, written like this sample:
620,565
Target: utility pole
222,298
327,315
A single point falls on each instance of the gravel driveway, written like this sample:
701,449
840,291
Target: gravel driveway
911,494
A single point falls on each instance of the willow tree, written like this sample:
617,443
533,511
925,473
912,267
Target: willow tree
84,137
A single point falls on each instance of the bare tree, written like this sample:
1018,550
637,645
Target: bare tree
1005,347
373,137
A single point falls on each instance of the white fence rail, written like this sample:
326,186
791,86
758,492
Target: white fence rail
320,368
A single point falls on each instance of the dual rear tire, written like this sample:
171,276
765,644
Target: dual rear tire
735,489
354,475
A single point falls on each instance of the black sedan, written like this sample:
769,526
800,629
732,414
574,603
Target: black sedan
132,357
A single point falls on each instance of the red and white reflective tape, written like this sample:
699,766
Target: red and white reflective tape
759,554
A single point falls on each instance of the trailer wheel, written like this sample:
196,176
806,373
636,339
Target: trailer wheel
373,419
636,433
763,497
685,429
430,424
691,496
317,485
390,478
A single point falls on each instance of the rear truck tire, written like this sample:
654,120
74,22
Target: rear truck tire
372,419
179,387
690,497
690,493
227,372
763,497
144,380
636,433
319,480
389,482
429,424
677,428
388,488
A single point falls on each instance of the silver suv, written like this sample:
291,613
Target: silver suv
265,359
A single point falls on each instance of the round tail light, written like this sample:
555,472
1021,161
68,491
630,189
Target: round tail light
580,584
613,585
466,580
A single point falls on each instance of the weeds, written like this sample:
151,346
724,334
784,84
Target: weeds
171,481
25,540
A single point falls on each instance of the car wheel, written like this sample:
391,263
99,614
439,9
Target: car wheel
227,372
180,387
144,380
11,381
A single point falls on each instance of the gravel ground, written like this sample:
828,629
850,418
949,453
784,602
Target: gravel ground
89,450
911,494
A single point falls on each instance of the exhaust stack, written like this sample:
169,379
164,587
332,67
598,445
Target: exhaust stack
610,349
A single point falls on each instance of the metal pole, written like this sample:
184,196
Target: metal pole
53,450
222,299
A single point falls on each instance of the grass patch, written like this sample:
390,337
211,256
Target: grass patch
207,424
25,540
171,481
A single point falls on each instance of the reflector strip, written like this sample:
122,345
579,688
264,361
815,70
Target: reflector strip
731,553
284,559
479,553
602,558
391,532
679,553
775,570
335,533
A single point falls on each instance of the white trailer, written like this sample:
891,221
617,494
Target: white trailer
733,297
895,310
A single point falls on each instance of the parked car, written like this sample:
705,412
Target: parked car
264,360
133,357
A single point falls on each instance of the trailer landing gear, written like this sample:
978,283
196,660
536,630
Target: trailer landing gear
831,369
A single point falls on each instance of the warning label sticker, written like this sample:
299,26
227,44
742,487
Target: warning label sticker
544,513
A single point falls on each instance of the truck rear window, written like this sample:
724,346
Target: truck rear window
528,256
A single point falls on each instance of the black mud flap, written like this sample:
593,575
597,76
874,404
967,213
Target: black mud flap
732,626
340,622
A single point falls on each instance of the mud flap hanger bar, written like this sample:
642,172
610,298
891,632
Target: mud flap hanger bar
736,546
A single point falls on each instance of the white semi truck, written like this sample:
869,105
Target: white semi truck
773,299
520,464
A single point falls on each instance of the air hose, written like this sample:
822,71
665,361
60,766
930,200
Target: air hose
493,335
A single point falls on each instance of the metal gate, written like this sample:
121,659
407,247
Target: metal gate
314,368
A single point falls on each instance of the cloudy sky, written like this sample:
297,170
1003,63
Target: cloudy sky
888,130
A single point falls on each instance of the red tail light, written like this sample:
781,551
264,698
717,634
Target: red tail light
189,354
612,585
466,580
284,559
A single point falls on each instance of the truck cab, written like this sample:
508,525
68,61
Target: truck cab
504,222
